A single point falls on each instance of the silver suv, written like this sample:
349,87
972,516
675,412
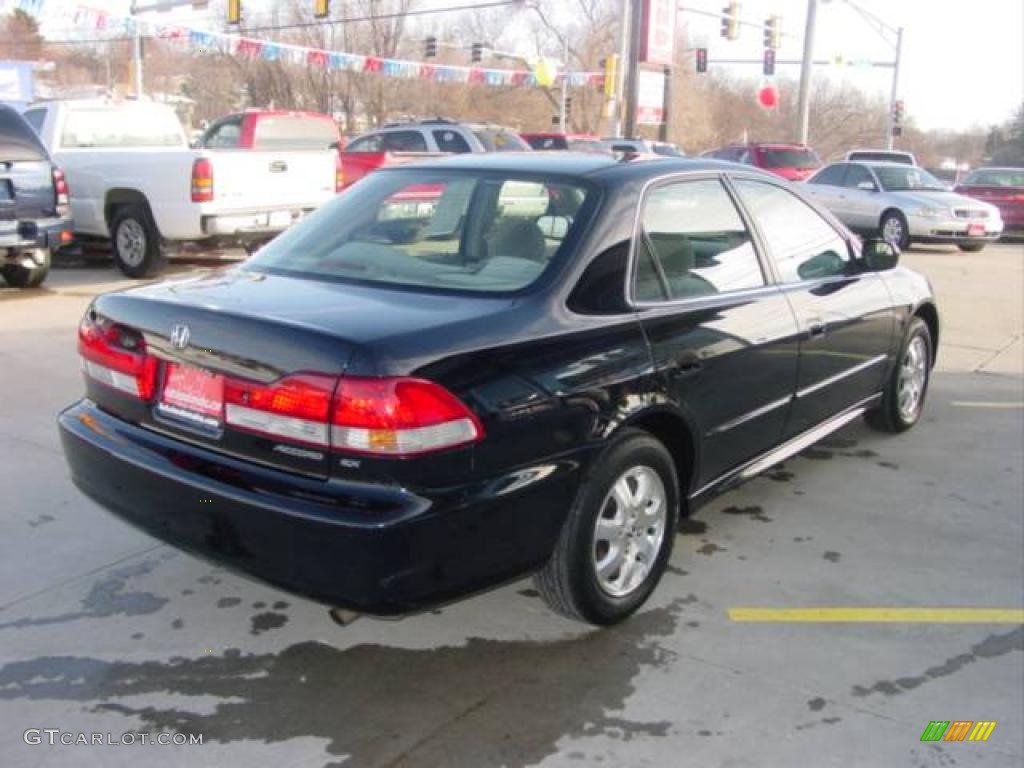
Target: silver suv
439,136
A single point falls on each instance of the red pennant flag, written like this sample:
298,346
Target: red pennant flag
373,64
427,71
249,47
317,59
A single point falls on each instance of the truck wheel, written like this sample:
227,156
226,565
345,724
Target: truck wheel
619,534
971,247
26,274
135,241
904,394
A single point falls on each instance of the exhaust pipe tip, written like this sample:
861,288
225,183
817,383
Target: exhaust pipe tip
343,617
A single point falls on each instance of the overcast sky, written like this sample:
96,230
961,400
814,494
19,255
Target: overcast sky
963,62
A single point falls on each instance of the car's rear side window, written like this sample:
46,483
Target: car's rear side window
403,141
696,241
481,232
803,245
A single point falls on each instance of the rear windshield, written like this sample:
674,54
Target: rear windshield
18,142
885,157
997,177
444,230
499,140
547,142
294,132
789,158
125,127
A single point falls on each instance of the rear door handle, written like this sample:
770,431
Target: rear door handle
687,363
816,328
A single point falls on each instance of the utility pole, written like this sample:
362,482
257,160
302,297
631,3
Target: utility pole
137,52
806,68
895,89
615,123
632,64
666,105
565,84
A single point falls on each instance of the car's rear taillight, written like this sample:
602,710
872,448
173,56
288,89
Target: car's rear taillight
60,191
202,180
116,356
294,408
399,417
339,173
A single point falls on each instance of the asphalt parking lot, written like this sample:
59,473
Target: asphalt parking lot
103,630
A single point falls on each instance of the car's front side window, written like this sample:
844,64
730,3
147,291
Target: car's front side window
858,175
693,240
803,245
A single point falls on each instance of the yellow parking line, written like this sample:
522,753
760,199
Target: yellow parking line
876,615
983,404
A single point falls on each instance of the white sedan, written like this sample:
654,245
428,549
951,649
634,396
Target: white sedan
904,204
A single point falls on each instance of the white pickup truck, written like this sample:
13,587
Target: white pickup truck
136,181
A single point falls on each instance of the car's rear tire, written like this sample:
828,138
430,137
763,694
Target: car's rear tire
618,537
904,394
22,276
971,247
894,230
135,241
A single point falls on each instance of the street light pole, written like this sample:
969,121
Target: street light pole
137,52
806,68
895,89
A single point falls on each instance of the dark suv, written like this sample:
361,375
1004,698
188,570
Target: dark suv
35,217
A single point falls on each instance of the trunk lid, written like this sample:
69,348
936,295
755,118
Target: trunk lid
213,333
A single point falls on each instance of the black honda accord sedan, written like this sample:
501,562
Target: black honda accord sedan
477,368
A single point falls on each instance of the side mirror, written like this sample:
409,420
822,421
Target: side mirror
867,186
878,255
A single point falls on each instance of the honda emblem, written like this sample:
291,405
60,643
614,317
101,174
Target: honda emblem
179,336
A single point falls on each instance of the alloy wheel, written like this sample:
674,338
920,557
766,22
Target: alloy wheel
629,531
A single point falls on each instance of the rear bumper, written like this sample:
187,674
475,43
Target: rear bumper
17,236
374,549
255,223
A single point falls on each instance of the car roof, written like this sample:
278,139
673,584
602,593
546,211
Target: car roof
576,164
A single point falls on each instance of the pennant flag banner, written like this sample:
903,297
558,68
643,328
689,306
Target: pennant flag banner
205,42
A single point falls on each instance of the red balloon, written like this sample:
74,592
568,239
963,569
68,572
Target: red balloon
768,97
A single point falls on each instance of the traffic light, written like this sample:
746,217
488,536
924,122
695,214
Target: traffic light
611,71
321,8
768,67
702,60
234,11
897,112
773,33
568,106
477,53
897,117
731,21
430,47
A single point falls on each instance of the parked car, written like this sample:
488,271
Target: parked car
642,146
383,417
575,142
35,218
400,143
790,161
1001,187
904,204
135,180
272,130
880,156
